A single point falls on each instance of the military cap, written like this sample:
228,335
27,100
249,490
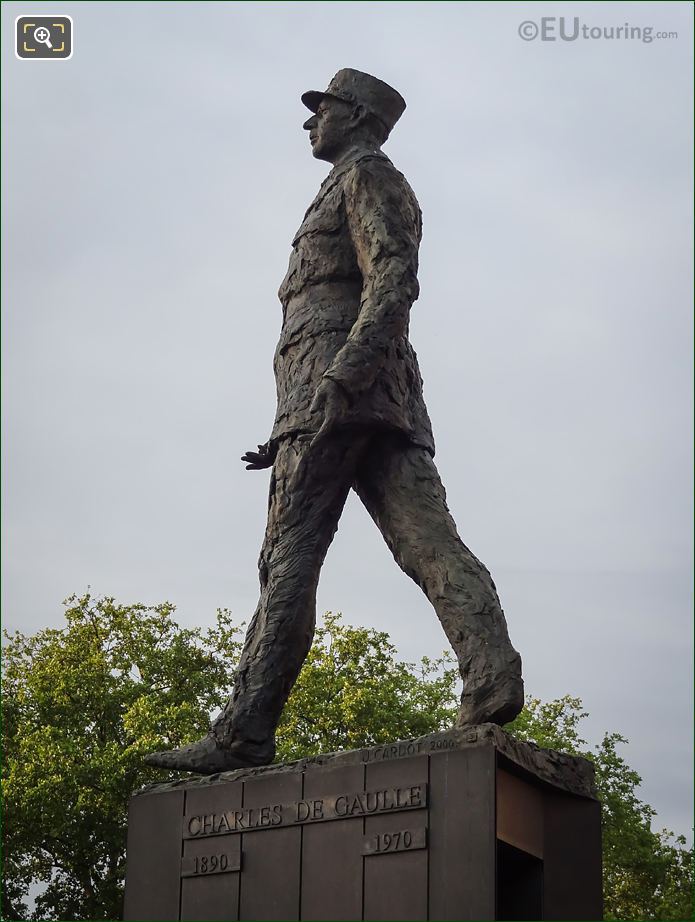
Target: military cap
360,89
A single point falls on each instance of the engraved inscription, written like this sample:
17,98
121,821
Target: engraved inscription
408,748
220,862
404,840
340,806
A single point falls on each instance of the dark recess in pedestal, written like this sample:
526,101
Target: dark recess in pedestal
519,884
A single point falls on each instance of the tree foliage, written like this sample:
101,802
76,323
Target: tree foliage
82,705
353,692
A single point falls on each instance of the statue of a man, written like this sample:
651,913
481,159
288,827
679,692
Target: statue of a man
350,414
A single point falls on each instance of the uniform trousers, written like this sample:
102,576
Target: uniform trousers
401,489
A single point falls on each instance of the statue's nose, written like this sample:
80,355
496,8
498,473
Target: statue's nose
309,123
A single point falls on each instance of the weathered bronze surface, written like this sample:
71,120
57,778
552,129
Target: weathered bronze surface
350,415
469,824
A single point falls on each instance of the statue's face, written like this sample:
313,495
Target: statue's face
330,128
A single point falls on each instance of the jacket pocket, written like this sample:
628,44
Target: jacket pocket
327,219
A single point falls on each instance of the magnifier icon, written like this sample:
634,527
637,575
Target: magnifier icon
43,36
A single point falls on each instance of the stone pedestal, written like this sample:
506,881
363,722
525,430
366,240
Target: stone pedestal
468,824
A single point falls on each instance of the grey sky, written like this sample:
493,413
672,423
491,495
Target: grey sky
152,186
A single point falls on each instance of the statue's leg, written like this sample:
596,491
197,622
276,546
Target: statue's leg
308,492
402,491
308,489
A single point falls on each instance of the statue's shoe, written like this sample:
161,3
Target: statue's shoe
497,703
208,756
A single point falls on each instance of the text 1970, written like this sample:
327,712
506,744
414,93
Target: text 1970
402,840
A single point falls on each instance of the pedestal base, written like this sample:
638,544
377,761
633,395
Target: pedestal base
468,824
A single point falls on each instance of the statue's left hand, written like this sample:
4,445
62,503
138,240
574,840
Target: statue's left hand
331,399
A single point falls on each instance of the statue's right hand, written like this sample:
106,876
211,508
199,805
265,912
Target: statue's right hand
258,460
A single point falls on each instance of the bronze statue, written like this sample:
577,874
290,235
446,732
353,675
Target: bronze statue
350,414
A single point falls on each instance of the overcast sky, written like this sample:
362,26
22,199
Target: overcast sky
152,186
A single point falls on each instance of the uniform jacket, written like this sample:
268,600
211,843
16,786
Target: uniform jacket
346,298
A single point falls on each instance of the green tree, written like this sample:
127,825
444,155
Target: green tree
83,704
353,692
